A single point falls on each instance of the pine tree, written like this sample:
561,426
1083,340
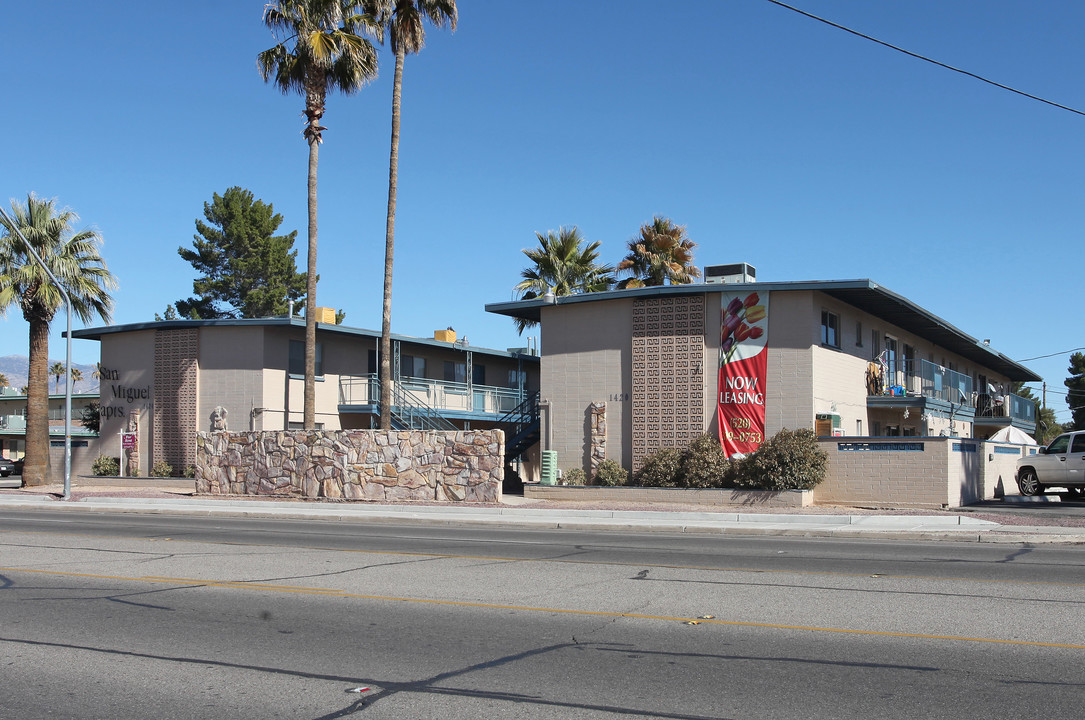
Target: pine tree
246,270
1075,395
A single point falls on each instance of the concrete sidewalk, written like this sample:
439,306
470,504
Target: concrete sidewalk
868,526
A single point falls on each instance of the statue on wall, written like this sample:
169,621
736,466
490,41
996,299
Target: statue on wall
218,419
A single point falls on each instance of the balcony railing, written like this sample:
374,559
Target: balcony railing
944,384
935,381
439,395
1005,406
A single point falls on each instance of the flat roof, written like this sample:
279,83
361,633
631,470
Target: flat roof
863,294
97,333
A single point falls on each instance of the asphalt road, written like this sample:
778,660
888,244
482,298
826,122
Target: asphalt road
107,616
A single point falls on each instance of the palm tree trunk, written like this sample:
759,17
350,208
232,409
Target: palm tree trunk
389,251
36,462
309,407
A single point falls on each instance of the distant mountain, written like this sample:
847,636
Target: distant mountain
16,368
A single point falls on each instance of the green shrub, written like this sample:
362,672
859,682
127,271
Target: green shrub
190,471
106,466
704,465
610,472
575,476
786,461
661,469
161,469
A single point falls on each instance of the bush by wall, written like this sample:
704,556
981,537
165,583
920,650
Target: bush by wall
161,469
789,460
611,472
576,476
661,469
106,466
704,465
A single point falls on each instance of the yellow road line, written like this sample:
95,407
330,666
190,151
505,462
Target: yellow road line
527,608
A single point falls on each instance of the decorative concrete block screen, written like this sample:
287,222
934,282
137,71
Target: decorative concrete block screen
668,383
464,466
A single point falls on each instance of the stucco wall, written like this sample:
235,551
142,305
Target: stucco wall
128,370
586,359
788,399
230,368
354,464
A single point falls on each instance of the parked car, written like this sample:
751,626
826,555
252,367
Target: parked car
7,467
1060,464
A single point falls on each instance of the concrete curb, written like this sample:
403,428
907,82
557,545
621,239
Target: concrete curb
956,528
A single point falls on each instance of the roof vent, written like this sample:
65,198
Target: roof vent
733,273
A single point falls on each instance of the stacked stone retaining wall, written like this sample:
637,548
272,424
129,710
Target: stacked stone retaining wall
463,466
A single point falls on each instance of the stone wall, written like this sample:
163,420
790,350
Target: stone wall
598,431
464,466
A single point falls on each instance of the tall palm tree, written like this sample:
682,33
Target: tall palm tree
662,253
563,265
56,370
77,376
73,258
320,49
407,34
97,372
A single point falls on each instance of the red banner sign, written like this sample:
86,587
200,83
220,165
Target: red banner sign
744,333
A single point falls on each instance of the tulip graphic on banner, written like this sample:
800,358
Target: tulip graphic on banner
744,329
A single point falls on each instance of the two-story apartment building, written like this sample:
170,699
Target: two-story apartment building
165,381
13,421
741,359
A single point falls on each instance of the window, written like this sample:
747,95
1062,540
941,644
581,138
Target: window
858,333
891,357
297,358
410,366
830,329
858,428
517,379
875,346
909,361
1059,445
457,372
292,425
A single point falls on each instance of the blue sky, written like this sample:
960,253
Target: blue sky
777,140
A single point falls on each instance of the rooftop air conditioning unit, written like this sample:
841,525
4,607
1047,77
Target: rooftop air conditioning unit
733,273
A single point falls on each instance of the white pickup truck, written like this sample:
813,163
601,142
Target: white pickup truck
1060,464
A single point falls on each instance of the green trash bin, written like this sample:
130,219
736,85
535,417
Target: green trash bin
549,474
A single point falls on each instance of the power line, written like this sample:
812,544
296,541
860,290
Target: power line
1041,357
924,58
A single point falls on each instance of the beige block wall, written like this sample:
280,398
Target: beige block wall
947,472
1000,468
898,477
131,357
586,359
789,402
230,370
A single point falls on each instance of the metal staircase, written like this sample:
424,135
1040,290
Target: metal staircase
410,413
521,426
